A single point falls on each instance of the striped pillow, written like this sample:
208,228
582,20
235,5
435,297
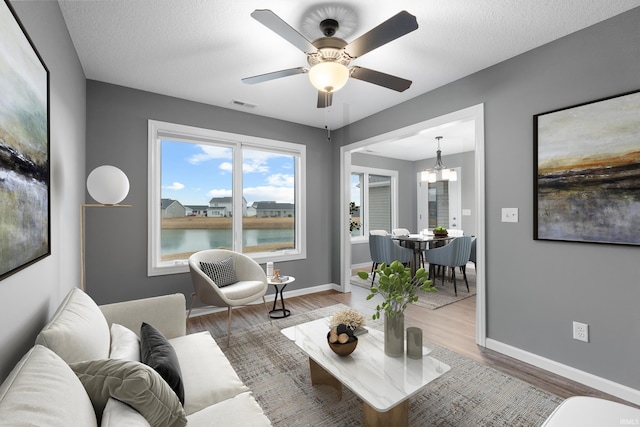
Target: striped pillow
221,272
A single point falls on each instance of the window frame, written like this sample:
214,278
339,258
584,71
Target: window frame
157,130
366,171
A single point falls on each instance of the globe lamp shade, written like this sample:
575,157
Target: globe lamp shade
108,185
328,76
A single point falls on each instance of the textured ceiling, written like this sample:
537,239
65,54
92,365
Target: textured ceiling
200,49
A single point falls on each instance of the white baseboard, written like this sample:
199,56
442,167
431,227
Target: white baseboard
607,386
201,311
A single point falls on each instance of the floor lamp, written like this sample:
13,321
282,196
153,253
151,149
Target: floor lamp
108,185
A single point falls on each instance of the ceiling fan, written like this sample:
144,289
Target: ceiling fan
329,56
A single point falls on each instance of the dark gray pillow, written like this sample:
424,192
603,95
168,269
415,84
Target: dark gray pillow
157,352
221,272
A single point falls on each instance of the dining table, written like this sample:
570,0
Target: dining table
419,243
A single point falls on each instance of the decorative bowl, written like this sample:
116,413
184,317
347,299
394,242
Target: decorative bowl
344,349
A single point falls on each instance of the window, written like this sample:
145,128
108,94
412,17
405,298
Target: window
210,189
373,201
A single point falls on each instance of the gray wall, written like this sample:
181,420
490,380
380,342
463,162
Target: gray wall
535,289
29,297
116,239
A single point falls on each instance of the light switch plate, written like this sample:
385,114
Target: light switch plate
466,212
509,214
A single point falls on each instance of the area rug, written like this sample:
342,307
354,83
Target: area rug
470,394
445,294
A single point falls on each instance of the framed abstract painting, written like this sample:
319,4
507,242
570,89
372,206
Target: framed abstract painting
25,229
587,172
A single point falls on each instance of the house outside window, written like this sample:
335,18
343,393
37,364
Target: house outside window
209,189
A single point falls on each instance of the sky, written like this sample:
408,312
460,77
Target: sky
194,173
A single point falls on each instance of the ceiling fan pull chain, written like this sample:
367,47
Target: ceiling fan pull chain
326,116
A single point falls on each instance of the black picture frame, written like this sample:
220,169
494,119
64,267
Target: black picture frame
25,194
587,172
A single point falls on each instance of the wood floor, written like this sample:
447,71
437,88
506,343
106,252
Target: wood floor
452,326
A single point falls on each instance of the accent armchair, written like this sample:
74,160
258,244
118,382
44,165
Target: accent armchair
224,278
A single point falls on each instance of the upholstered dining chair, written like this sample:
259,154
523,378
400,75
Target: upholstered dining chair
224,278
384,250
454,254
400,232
378,233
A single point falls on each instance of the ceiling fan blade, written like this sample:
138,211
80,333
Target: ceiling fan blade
324,99
274,75
380,79
272,21
394,27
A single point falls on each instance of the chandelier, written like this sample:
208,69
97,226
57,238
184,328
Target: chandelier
439,172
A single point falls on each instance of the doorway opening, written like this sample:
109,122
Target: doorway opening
476,115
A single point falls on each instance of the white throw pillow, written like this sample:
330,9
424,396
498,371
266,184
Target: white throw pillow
42,390
118,414
78,330
125,344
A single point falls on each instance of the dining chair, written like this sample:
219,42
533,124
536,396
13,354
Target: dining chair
378,233
452,255
400,232
384,250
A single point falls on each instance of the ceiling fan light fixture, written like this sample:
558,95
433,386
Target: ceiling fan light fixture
329,76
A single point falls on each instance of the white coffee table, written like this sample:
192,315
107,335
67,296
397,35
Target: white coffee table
383,383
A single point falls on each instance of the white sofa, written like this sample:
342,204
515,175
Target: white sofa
585,411
69,375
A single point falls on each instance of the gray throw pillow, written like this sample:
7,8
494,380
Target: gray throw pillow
133,383
221,272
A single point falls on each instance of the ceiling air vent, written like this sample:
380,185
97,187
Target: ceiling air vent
242,104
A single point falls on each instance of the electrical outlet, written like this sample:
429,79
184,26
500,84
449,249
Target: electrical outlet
580,331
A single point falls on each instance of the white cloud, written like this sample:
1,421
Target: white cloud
281,179
219,193
175,186
210,152
226,166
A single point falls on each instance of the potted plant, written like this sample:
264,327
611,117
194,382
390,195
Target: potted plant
440,232
398,289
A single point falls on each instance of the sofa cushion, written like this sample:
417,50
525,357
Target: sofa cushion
78,330
239,411
221,272
118,414
157,352
133,383
206,373
125,344
42,390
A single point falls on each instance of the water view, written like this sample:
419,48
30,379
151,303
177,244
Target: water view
176,241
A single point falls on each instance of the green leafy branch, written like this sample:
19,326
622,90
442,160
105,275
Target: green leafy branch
397,287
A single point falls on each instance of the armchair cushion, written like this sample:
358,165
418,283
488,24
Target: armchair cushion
133,383
221,272
158,353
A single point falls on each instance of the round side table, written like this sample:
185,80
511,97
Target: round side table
280,313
